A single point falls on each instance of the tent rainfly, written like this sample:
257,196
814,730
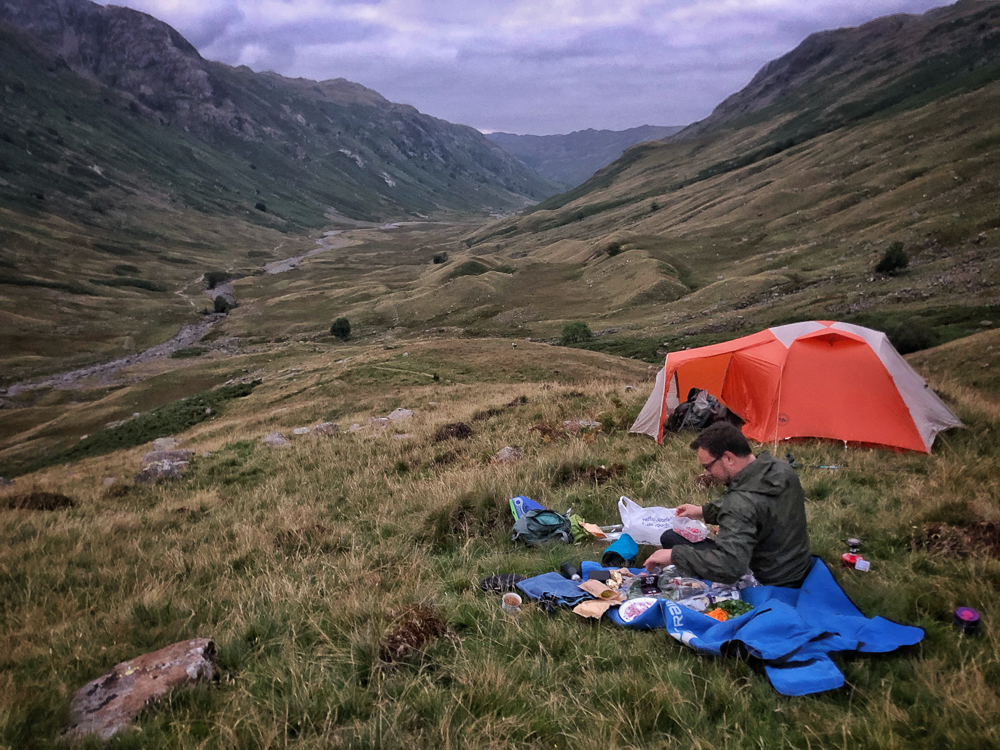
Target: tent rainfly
817,379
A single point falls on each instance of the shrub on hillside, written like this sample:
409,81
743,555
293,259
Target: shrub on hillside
341,328
894,261
188,352
913,335
576,332
440,258
222,305
613,248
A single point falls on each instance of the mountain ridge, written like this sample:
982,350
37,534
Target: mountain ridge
864,44
162,78
569,159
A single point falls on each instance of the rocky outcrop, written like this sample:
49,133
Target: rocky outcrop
847,62
109,704
508,455
323,429
275,440
163,464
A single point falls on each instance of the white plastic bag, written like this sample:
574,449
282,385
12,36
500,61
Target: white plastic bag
644,525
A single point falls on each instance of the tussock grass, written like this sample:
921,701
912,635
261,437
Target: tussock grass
298,562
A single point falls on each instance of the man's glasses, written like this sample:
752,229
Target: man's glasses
710,464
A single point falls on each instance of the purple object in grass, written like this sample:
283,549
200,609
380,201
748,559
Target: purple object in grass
967,619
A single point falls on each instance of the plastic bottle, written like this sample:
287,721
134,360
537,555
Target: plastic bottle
570,571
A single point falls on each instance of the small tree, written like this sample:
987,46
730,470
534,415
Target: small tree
912,335
575,333
440,258
222,305
341,328
894,260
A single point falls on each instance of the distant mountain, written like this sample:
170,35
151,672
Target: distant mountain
780,205
307,146
838,77
833,81
571,159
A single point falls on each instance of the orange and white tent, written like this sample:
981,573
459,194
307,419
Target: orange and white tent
817,379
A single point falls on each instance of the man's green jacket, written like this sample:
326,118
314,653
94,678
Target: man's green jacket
762,526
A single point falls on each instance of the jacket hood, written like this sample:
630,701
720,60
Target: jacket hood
763,476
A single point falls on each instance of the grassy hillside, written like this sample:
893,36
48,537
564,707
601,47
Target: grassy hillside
299,561
781,205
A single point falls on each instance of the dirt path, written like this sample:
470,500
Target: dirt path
104,373
326,242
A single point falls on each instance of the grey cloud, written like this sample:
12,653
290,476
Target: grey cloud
665,62
214,24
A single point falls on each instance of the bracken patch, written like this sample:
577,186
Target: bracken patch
548,432
457,430
40,501
412,630
959,541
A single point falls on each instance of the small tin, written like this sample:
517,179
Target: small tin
649,584
967,620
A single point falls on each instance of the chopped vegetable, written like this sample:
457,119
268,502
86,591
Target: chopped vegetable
735,607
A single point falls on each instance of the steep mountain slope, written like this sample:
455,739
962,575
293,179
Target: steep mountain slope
335,144
571,159
780,205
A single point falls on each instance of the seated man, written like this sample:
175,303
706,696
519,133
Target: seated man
762,519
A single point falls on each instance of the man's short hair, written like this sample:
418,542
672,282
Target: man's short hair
720,437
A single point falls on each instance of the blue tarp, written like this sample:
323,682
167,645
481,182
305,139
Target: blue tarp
554,588
793,631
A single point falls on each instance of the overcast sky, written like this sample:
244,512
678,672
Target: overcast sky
521,66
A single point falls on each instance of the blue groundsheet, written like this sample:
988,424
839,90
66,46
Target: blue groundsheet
792,631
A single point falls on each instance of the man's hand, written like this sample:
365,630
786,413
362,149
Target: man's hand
688,511
659,559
